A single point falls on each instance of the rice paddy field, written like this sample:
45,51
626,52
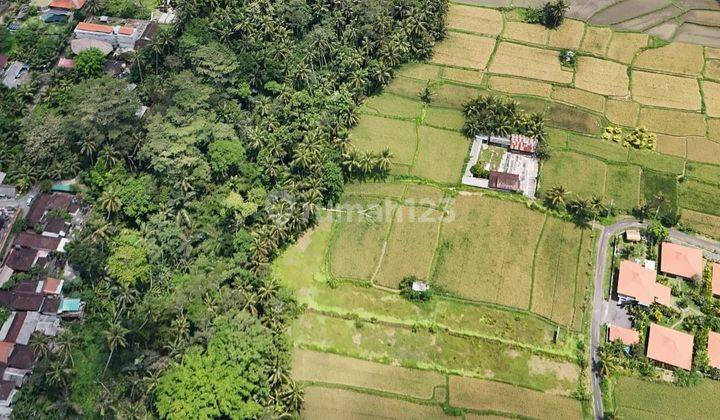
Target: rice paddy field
621,79
638,399
501,336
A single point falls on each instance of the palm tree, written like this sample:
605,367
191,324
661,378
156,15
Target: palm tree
555,196
293,396
385,160
39,343
64,344
110,201
115,337
87,148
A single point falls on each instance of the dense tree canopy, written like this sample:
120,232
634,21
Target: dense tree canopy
246,137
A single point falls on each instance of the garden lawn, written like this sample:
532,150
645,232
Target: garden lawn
441,155
438,351
555,271
358,239
377,133
410,246
484,395
583,176
486,249
640,399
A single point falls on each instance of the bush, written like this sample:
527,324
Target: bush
687,379
89,63
478,170
568,58
531,15
406,290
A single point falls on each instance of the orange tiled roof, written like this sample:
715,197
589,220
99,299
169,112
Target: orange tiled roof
67,4
5,351
639,283
716,279
671,347
626,335
126,30
52,286
94,27
680,260
713,349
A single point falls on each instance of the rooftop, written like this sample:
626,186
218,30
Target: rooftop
671,347
716,279
67,4
679,260
523,143
504,181
21,259
713,349
638,282
36,241
626,335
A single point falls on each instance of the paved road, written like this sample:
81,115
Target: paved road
711,248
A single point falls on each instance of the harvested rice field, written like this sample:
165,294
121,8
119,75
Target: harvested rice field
666,91
640,399
375,133
581,98
602,77
621,112
676,58
526,32
464,50
520,86
475,19
624,46
671,122
538,63
711,94
435,145
704,224
596,40
568,35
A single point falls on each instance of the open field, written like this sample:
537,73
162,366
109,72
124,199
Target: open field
377,133
473,263
704,224
331,403
329,368
437,351
483,395
444,146
538,63
582,175
639,399
464,50
666,91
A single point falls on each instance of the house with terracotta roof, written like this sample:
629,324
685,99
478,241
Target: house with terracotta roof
523,144
670,347
716,279
680,261
118,33
65,6
713,349
504,181
627,336
638,284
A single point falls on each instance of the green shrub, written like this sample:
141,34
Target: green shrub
478,170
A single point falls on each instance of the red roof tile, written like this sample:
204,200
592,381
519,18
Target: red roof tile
713,349
94,27
126,30
638,282
716,279
671,347
6,349
67,4
626,335
680,260
52,286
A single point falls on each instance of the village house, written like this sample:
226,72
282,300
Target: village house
680,261
713,349
638,284
118,33
504,181
65,6
670,347
627,336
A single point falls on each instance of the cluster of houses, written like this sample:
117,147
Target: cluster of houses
517,170
105,33
637,282
31,287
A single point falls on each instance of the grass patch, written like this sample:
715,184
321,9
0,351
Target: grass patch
410,246
438,351
657,162
706,173
330,368
623,186
656,184
581,175
335,403
451,119
605,150
700,197
375,133
393,106
573,119
653,400
478,257
555,267
483,395
448,147
357,241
